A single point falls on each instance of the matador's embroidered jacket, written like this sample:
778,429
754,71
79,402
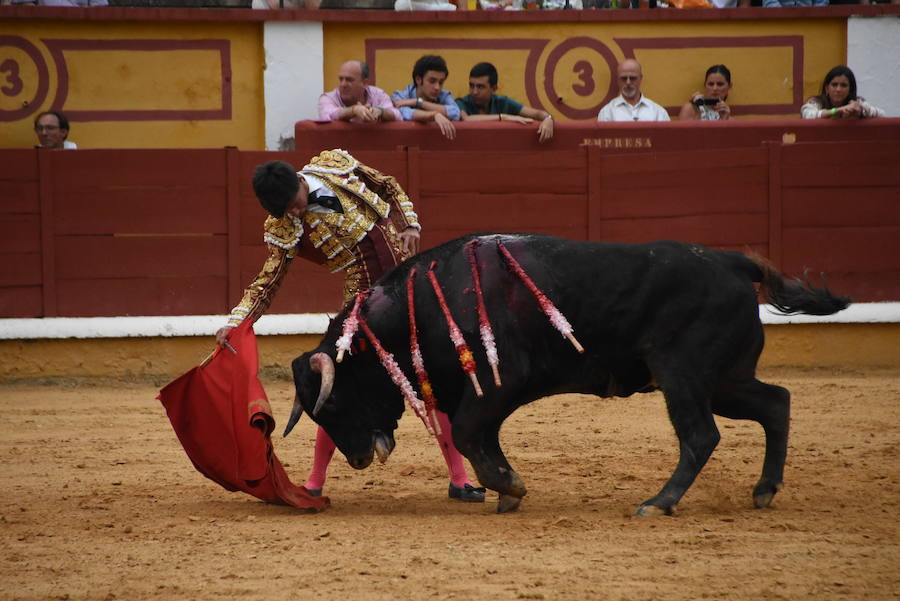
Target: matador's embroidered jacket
363,240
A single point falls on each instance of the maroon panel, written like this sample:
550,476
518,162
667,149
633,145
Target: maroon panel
20,269
868,287
711,230
683,201
89,257
841,206
849,249
467,213
438,236
21,302
143,210
878,174
201,295
89,169
20,233
515,172
306,287
841,164
19,197
310,291
732,161
18,164
841,151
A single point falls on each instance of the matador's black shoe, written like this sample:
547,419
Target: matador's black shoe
467,493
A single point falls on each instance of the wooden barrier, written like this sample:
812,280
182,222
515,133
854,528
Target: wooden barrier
178,232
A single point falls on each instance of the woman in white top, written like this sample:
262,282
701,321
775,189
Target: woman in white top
711,105
838,99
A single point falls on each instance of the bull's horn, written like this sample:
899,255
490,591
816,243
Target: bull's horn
296,412
321,363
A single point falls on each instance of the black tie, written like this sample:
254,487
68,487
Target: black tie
325,200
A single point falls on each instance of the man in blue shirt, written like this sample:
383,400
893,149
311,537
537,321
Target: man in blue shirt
425,99
484,104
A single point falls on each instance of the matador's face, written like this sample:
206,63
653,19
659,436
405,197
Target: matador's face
297,207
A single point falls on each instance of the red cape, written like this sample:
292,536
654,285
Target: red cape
221,415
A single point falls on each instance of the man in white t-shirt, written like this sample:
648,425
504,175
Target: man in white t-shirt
630,104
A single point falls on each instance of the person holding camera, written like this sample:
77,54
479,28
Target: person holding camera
711,105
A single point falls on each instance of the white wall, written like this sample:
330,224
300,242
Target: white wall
873,52
293,78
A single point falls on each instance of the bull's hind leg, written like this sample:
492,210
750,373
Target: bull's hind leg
697,437
770,406
480,443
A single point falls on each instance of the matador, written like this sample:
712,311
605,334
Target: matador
346,216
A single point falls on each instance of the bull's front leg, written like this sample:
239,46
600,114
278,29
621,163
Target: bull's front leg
479,442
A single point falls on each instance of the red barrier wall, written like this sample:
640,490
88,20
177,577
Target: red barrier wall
171,232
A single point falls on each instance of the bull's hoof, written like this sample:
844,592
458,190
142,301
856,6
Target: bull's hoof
508,503
763,494
650,511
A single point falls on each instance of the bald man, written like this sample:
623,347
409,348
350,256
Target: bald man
630,104
355,100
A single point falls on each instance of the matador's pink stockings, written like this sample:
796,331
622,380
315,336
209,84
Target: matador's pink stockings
325,450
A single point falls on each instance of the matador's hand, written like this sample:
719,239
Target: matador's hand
410,238
222,335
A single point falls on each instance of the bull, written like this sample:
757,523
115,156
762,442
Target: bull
672,316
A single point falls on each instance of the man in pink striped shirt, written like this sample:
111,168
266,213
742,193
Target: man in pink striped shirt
354,100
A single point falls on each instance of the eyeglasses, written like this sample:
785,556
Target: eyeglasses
40,128
629,77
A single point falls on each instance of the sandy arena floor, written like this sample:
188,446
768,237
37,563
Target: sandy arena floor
101,503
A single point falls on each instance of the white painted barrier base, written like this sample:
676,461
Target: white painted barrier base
316,323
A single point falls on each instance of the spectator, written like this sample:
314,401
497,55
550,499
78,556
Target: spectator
275,4
838,99
484,104
52,129
425,99
354,99
630,104
716,88
423,5
77,3
778,3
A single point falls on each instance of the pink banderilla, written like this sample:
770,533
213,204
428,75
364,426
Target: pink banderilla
556,318
462,349
387,360
487,333
351,322
416,353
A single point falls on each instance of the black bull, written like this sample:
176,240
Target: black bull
666,315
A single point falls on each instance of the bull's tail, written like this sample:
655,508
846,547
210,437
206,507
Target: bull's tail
792,295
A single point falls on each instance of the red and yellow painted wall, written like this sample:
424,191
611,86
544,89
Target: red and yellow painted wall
134,84
569,68
181,78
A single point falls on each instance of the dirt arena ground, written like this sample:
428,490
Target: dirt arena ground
100,502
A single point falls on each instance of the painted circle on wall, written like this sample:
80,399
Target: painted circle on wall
24,78
579,77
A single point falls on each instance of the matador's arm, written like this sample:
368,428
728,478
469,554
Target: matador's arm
259,294
403,214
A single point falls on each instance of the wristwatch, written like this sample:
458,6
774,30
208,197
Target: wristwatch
419,102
